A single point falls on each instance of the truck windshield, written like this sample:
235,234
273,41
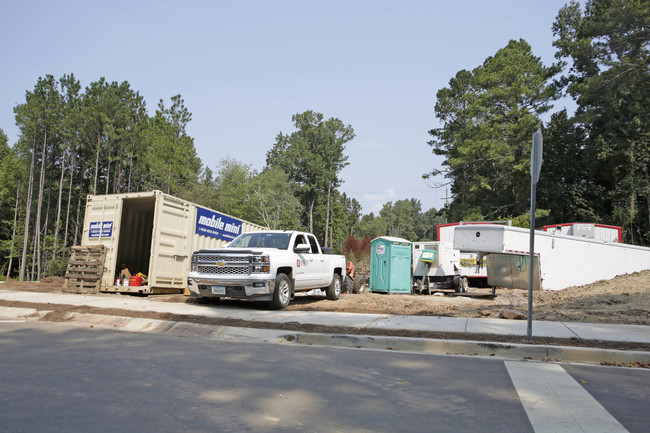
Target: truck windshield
262,240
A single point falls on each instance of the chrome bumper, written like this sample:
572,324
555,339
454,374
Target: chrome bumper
200,285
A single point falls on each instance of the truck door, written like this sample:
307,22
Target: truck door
319,264
309,267
301,263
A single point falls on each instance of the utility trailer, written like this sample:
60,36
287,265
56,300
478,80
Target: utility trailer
154,234
435,267
560,261
473,268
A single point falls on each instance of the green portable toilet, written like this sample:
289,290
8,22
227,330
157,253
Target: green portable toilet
390,265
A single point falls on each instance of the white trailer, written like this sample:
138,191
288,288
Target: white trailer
473,267
436,266
154,234
560,261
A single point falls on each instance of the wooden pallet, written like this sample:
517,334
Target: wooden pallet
85,269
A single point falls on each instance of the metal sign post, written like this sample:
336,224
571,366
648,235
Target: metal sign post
535,168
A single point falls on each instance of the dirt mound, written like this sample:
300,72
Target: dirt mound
53,280
624,299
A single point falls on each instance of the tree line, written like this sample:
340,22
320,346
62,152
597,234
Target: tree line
102,140
596,162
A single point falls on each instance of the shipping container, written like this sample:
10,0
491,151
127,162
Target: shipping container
601,232
560,261
153,234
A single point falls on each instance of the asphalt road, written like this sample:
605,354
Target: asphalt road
60,378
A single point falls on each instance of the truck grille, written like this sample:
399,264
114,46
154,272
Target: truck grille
230,259
225,270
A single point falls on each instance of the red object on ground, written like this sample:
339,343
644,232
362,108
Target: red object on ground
135,280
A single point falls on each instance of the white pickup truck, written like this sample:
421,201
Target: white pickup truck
266,266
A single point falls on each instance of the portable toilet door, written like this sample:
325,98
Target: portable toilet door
390,265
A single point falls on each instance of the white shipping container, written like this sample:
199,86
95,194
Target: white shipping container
562,261
601,232
155,234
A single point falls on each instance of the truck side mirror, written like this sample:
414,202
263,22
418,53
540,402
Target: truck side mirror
302,248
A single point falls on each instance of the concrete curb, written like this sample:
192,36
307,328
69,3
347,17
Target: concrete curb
479,348
401,344
10,313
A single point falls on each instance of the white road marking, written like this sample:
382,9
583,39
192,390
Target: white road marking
556,403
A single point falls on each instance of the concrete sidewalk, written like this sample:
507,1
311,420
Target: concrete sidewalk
588,331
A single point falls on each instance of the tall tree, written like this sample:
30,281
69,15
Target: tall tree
232,184
352,209
403,218
313,157
70,88
9,194
39,120
488,116
273,199
608,47
565,187
171,156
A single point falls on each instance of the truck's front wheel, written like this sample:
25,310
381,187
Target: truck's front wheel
333,291
282,292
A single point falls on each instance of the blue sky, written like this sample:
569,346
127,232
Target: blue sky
244,68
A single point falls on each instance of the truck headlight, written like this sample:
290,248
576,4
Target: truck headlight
194,266
261,264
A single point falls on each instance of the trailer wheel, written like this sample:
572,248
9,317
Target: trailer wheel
282,292
427,286
418,286
333,291
463,285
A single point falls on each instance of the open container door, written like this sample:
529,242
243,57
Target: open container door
170,253
135,237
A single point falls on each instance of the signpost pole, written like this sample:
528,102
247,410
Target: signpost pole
535,168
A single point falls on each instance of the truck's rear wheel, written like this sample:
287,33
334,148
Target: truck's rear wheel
282,292
333,291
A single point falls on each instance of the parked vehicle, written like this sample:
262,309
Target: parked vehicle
268,266
473,268
354,281
560,260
